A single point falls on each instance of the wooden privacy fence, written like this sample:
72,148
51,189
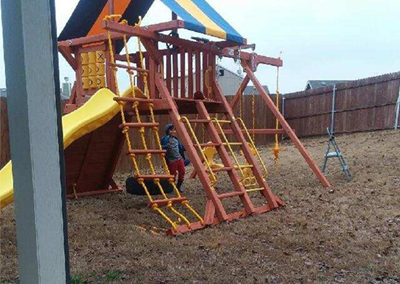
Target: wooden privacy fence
363,105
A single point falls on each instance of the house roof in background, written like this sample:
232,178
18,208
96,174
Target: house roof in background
315,84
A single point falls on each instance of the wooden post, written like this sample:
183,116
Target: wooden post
198,72
212,64
183,74
168,72
286,127
239,92
190,74
396,119
204,72
175,74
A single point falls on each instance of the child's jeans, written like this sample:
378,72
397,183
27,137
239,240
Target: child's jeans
177,166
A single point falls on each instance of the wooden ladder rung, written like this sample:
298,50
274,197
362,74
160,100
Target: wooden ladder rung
244,166
164,202
233,143
255,189
144,152
215,170
138,124
198,120
203,145
223,121
150,177
230,194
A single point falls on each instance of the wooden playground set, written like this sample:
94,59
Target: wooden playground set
180,81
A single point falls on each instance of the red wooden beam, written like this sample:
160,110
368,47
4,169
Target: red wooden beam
198,71
103,37
166,26
66,52
240,91
78,78
144,32
151,46
212,76
153,69
175,75
183,73
72,96
139,78
168,71
119,57
204,72
226,43
190,74
258,131
286,127
89,39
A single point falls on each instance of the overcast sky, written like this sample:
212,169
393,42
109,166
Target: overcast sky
325,39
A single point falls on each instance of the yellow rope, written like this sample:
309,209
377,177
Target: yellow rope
253,107
194,212
254,147
277,148
173,224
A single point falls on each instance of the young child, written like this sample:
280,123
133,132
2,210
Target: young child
175,154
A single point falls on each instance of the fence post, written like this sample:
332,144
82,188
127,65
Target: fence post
396,119
283,114
333,110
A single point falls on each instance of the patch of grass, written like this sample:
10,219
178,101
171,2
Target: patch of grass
77,279
113,275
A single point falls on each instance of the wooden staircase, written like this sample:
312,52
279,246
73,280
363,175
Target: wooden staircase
215,211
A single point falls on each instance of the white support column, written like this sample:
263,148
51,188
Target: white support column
30,53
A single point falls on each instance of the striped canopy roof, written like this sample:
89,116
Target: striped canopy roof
200,17
197,16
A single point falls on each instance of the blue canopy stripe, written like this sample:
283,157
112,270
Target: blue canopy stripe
232,34
199,16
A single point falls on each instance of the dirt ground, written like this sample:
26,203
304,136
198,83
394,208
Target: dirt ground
347,234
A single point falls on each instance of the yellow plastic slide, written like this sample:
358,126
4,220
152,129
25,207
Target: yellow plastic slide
96,112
